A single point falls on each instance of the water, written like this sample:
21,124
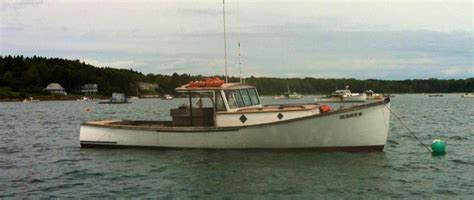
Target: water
40,157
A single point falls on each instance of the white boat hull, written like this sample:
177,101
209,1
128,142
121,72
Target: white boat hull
355,98
361,128
467,96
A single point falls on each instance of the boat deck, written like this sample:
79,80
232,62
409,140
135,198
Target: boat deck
280,108
170,124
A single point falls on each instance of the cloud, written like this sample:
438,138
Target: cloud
119,64
19,4
280,39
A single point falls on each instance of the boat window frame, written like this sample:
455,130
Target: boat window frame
220,99
231,99
254,95
249,100
234,98
240,103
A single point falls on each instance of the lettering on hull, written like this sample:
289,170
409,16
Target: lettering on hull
350,115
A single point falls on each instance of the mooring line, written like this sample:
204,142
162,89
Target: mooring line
409,130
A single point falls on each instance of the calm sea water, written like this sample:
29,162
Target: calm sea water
40,157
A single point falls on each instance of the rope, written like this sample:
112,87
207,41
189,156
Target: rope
409,130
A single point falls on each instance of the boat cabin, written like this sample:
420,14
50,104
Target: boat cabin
228,97
232,104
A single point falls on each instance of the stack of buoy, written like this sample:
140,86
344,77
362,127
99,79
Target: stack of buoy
324,108
206,82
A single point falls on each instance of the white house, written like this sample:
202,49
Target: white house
55,88
90,88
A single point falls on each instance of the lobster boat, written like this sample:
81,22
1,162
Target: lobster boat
232,116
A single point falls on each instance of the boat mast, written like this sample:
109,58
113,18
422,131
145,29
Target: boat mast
225,41
240,59
240,65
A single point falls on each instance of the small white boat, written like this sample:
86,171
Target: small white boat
236,119
468,95
371,95
31,100
167,97
343,96
84,98
289,95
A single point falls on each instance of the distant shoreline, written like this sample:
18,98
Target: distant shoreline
22,77
78,97
72,97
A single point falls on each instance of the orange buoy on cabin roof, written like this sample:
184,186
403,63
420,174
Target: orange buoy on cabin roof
206,82
324,108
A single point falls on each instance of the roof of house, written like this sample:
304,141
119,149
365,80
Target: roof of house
90,85
54,86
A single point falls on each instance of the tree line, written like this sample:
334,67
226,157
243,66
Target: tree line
23,76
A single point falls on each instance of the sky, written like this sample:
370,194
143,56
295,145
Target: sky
374,39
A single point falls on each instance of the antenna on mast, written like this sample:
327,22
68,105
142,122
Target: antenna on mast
225,41
240,65
240,58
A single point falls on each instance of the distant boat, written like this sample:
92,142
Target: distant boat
167,97
372,95
84,98
435,95
117,98
468,95
289,95
343,96
30,100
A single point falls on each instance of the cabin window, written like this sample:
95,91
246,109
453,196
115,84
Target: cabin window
253,96
241,98
231,99
238,98
219,102
246,97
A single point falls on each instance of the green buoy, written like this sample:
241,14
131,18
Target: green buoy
438,147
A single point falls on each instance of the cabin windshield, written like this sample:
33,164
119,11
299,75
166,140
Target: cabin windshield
253,96
239,98
220,106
